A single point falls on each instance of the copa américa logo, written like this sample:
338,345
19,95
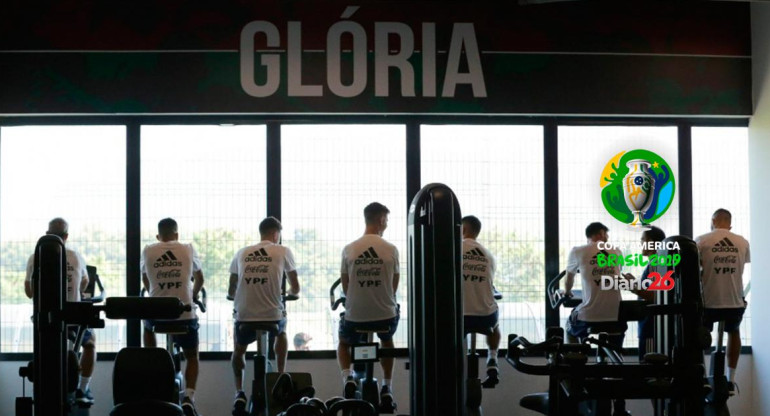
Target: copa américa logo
637,187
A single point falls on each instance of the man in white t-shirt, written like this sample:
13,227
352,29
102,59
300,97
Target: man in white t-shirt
723,255
479,305
77,281
599,308
256,276
170,268
369,275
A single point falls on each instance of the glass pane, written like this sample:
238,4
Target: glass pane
74,172
212,181
583,154
497,174
329,174
720,179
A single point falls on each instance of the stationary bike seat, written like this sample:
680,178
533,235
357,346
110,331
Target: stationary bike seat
170,328
258,326
483,330
366,329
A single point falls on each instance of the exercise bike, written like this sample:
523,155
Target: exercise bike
363,357
716,400
171,328
266,397
473,384
75,336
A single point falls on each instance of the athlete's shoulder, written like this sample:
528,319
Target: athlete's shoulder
739,238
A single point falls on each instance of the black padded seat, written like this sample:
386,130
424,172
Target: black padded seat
271,327
610,328
143,383
479,330
537,402
146,408
170,328
352,407
363,328
302,409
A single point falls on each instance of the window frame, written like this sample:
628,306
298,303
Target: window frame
413,122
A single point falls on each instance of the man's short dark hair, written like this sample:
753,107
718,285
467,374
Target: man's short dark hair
594,228
723,215
473,224
167,227
269,224
58,226
374,211
655,234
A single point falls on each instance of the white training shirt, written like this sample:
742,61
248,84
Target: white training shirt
76,273
370,262
598,305
722,256
260,271
478,277
169,266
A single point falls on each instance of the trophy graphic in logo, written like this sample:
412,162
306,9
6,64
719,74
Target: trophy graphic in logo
638,189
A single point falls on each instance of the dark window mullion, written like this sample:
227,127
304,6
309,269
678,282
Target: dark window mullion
551,212
413,173
133,224
684,187
273,163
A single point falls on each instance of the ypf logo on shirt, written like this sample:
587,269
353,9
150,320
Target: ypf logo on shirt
637,187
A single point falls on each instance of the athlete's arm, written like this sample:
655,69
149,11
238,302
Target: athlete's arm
197,283
28,288
569,281
573,263
233,285
396,278
345,279
28,280
146,282
644,294
293,282
84,280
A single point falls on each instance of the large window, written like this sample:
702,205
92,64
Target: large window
583,154
720,179
329,174
74,172
497,174
211,180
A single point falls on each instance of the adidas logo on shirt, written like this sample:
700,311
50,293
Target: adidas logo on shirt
369,257
595,256
475,254
258,256
724,246
167,260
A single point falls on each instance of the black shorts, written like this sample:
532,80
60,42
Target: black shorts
245,338
732,317
349,334
580,329
480,324
186,341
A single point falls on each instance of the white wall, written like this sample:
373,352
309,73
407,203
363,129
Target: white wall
759,174
215,391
